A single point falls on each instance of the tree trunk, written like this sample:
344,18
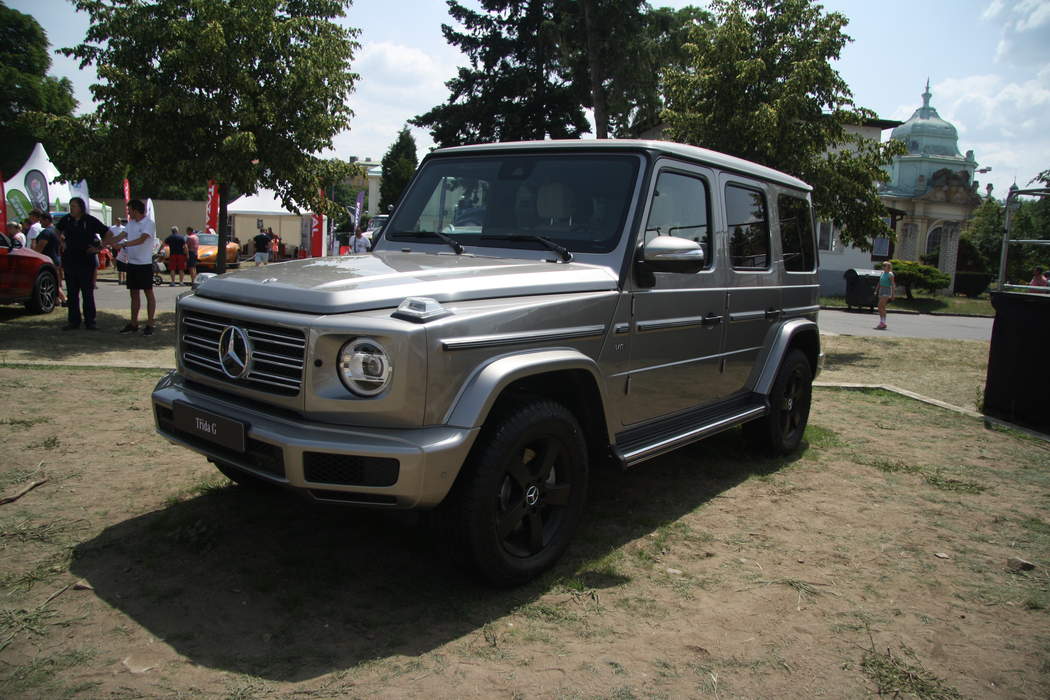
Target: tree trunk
224,228
601,109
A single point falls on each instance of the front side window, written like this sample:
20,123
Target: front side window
796,234
679,208
501,200
748,221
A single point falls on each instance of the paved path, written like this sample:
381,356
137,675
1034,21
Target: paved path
111,295
907,325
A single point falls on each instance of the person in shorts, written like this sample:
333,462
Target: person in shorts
138,240
193,244
262,249
887,292
177,262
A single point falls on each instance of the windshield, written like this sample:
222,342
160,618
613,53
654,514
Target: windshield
579,202
208,239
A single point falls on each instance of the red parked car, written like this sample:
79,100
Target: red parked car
27,277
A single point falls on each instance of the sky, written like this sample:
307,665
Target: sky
988,63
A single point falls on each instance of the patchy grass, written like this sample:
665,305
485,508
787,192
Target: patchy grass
949,370
896,676
708,570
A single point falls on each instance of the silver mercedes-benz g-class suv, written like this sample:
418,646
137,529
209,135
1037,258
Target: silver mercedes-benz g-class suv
530,311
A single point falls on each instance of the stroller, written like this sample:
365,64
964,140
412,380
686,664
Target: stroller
159,268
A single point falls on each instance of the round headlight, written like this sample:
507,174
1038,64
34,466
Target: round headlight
365,367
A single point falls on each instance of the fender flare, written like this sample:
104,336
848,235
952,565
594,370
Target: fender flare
479,393
787,332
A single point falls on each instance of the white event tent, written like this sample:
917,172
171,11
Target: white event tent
263,210
39,185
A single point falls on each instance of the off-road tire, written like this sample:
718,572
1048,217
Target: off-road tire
520,495
45,293
780,431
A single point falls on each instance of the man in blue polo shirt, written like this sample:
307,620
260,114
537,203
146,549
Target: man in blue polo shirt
82,234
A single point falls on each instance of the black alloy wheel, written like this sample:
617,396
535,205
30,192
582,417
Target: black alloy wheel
521,494
780,431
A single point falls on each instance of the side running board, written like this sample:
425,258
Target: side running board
637,445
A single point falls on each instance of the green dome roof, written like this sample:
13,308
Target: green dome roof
926,132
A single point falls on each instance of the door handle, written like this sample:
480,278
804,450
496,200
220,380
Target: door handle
710,320
773,314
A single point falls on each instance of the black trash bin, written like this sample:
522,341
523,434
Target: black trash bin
1018,381
861,287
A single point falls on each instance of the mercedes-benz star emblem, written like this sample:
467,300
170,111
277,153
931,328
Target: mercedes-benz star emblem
235,352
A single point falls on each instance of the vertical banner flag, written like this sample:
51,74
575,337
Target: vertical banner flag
211,217
3,206
317,234
357,208
127,196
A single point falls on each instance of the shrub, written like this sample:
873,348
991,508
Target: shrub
910,274
972,284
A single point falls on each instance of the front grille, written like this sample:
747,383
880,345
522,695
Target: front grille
278,353
258,455
349,470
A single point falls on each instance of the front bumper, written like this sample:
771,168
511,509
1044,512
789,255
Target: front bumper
279,443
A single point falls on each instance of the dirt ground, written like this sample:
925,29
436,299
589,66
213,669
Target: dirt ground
874,561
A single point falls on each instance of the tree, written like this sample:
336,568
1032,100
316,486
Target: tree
985,232
910,274
760,85
25,87
242,91
399,165
516,86
616,50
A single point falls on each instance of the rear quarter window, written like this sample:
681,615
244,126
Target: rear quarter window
796,234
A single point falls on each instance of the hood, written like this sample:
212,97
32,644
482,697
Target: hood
383,279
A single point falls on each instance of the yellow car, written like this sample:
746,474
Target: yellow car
207,252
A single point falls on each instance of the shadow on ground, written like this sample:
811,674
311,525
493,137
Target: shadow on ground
268,585
41,336
834,360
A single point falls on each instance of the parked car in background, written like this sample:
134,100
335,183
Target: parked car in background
207,253
27,277
375,226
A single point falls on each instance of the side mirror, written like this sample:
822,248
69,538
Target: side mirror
673,254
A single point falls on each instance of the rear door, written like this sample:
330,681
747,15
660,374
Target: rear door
675,324
753,298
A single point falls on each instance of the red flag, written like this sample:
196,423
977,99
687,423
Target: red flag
127,196
212,212
3,206
317,234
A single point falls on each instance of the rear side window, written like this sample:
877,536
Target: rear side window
796,234
748,220
680,209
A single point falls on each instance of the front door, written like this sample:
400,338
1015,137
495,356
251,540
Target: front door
675,324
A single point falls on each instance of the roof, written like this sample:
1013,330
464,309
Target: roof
694,153
262,203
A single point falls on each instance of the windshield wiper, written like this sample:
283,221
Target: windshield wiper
562,251
452,242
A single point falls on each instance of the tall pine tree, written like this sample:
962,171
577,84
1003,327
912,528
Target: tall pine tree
517,86
399,165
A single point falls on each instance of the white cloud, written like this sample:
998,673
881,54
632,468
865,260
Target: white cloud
397,83
1025,31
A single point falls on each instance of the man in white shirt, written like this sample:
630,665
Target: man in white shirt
35,227
138,239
